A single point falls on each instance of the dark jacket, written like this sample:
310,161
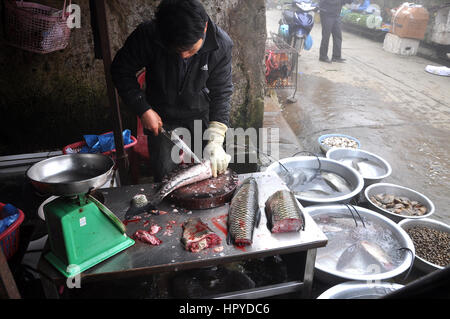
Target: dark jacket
332,7
206,91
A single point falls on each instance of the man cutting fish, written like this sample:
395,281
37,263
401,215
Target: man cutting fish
188,77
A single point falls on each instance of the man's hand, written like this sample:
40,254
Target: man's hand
151,121
214,150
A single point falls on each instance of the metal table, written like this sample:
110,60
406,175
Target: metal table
142,259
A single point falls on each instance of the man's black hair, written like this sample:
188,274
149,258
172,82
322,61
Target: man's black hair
181,23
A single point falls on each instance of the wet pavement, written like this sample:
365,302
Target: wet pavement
396,110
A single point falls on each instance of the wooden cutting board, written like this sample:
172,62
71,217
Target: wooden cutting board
210,193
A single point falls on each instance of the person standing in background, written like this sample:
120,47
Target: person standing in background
330,18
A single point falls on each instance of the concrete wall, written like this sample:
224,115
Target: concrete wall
49,101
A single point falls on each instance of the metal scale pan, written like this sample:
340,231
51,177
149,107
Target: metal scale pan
72,174
75,221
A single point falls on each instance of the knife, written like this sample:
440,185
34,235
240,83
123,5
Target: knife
176,140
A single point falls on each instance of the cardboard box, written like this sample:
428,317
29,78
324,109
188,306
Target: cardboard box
402,46
410,21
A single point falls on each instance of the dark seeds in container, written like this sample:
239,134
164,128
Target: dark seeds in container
431,244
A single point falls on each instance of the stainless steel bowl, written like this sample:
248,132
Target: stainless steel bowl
419,262
397,190
328,273
375,171
310,162
324,148
72,174
359,290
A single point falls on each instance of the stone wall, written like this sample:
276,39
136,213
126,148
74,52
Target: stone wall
49,101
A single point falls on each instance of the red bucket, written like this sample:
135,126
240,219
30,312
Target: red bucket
9,239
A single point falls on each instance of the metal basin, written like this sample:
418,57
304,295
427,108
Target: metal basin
419,262
295,164
373,168
326,148
72,174
397,190
378,229
359,290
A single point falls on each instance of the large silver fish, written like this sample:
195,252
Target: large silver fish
193,174
284,213
336,182
244,213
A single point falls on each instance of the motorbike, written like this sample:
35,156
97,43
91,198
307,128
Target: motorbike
296,23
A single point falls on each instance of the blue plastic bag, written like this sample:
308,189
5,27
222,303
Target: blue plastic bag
308,42
8,215
104,143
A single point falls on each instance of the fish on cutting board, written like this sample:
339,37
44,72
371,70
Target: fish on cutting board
244,213
198,236
193,174
284,213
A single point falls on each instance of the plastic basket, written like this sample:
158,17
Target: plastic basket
34,27
76,147
9,239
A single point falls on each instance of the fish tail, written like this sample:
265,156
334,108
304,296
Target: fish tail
258,217
229,238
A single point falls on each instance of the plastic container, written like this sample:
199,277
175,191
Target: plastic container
410,21
9,239
76,147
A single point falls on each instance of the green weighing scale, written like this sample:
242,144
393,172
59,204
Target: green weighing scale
82,231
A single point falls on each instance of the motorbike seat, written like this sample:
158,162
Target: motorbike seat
288,16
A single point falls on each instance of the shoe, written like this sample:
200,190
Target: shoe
340,60
325,60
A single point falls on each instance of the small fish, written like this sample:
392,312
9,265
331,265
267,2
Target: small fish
193,174
369,252
284,213
244,213
314,192
336,182
296,177
356,163
329,229
198,236
377,254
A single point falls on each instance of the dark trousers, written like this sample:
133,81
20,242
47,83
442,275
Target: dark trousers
161,149
331,25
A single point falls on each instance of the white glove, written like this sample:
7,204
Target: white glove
214,149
